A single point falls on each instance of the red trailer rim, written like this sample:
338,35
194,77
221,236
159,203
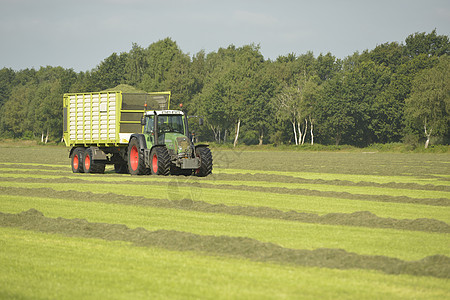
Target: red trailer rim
155,163
75,162
134,158
87,162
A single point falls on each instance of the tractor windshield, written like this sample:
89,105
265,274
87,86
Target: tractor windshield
170,123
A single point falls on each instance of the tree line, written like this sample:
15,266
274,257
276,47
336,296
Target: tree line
396,92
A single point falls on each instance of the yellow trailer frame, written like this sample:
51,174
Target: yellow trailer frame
107,119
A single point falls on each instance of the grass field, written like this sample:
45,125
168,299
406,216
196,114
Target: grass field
265,225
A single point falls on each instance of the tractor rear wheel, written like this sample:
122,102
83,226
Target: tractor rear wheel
136,164
77,160
89,165
160,161
206,161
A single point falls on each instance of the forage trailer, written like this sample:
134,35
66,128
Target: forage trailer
137,132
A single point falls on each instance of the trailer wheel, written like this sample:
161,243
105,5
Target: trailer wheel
136,164
206,161
160,161
89,165
77,160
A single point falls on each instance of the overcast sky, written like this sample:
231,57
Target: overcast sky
79,34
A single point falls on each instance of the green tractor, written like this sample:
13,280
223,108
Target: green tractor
165,148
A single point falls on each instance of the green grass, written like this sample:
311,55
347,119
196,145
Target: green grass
367,190
407,245
37,265
306,175
347,177
284,202
41,266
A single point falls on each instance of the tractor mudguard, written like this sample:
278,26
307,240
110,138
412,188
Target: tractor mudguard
201,145
141,138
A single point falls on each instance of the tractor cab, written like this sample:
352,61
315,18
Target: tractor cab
168,129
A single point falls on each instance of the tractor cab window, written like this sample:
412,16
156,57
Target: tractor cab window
170,123
149,124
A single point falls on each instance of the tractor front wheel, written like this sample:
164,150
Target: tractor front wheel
206,161
136,164
160,161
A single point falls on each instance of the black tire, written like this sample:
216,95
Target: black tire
160,161
77,160
206,161
136,163
89,165
121,168
120,165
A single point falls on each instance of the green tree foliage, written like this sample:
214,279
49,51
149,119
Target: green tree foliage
109,73
383,95
14,120
428,107
47,111
6,83
428,44
335,112
231,87
327,66
389,55
180,80
259,116
135,65
159,58
353,109
34,107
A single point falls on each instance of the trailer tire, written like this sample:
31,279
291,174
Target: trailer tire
77,160
89,165
160,161
136,164
206,161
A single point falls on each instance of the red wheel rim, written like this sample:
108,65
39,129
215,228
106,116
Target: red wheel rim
134,158
87,162
75,162
155,163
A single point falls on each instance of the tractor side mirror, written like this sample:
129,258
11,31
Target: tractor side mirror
143,122
200,121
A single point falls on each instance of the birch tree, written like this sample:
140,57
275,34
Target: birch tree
428,107
297,104
286,106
